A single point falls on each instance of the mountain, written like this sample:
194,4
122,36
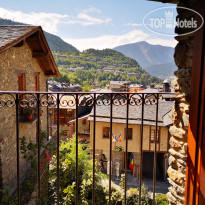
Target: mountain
102,66
150,55
55,43
162,70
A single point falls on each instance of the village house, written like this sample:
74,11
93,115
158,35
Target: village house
108,69
25,63
134,133
119,86
61,56
136,88
67,116
55,86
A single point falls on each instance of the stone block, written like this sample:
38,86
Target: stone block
171,198
183,72
177,132
185,119
180,190
177,154
180,199
174,143
176,176
180,55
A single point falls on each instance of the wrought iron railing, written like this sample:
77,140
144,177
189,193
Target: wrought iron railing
38,100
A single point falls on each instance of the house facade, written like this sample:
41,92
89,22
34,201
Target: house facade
25,63
119,86
102,135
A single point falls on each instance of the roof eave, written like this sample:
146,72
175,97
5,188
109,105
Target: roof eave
55,70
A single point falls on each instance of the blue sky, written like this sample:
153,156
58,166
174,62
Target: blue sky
88,23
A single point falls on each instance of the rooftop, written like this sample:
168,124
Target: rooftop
11,34
119,82
119,114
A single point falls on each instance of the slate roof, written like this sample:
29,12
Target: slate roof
119,114
119,82
10,34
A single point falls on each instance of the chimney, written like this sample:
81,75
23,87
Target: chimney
166,86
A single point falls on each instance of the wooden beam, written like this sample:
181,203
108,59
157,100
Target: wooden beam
21,43
38,54
35,36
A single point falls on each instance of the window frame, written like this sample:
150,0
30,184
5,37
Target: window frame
130,130
21,82
107,129
37,81
153,138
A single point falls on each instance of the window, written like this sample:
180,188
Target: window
106,132
36,81
21,82
152,134
129,133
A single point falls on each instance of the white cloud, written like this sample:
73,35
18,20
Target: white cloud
85,20
91,10
111,41
108,41
133,24
51,21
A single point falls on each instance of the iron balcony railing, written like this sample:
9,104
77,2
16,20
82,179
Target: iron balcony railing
38,100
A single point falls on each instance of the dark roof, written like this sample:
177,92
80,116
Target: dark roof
15,36
119,82
119,114
11,34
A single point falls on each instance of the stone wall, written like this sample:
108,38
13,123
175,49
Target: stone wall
180,114
12,61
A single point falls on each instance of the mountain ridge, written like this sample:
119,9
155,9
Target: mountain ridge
148,55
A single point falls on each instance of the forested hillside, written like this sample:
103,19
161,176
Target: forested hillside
102,66
162,70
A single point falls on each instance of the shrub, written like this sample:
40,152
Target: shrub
161,199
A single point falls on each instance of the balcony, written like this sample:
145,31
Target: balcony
75,172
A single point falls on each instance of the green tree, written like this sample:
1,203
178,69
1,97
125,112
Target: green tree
67,165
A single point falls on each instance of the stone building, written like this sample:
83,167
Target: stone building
134,133
25,63
119,86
